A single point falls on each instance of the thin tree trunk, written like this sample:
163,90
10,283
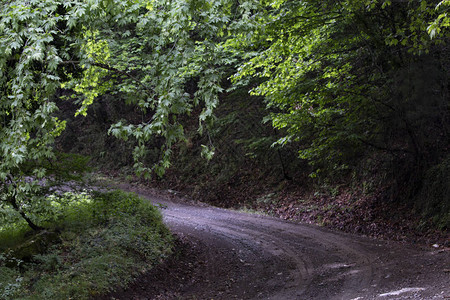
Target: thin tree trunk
24,216
13,202
283,167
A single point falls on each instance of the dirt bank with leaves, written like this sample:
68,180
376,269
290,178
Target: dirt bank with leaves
231,255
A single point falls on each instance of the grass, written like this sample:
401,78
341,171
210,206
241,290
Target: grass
249,210
103,241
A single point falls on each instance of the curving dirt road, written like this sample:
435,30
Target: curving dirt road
248,256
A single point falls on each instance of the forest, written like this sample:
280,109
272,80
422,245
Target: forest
335,113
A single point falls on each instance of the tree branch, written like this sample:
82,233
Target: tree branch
115,70
384,148
12,200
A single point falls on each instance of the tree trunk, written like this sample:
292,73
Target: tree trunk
30,223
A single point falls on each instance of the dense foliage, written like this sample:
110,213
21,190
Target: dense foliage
104,241
142,51
344,80
361,86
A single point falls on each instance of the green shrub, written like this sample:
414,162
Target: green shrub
434,199
105,241
10,282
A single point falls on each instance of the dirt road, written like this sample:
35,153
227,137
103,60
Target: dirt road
233,255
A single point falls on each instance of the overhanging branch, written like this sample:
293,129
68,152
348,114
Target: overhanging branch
391,150
112,69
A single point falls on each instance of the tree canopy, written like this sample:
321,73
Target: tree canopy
337,77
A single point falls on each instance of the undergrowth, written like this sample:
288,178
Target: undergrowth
100,241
